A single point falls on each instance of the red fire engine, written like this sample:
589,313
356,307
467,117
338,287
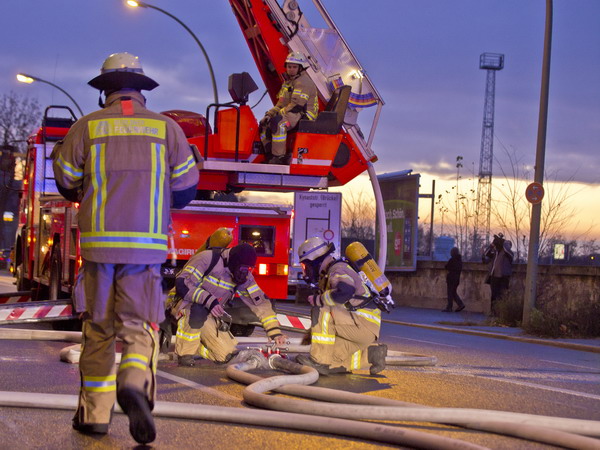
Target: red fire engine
47,245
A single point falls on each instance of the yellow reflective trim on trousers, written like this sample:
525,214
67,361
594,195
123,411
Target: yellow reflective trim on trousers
325,323
370,315
100,384
204,352
98,176
355,362
155,347
320,338
187,337
127,127
136,360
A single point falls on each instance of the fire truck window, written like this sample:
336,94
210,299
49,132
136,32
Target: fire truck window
259,237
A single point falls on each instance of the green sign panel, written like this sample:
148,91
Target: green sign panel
400,199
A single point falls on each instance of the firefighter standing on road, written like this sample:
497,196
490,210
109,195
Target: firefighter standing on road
204,286
297,99
344,336
127,166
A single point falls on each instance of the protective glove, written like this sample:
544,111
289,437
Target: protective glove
265,121
217,311
315,300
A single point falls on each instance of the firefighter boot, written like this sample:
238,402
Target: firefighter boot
88,428
185,360
323,369
137,407
376,356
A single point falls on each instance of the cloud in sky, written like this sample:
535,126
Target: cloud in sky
422,55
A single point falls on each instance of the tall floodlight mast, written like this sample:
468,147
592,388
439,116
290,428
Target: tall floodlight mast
491,62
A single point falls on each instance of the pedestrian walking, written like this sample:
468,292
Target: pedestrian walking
454,268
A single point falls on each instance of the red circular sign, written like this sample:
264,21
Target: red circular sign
534,193
328,235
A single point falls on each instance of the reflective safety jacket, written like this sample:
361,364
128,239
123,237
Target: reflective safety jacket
218,286
297,95
127,161
340,284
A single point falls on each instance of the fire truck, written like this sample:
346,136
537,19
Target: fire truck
329,151
47,254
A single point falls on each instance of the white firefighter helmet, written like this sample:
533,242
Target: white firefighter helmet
314,248
120,71
297,58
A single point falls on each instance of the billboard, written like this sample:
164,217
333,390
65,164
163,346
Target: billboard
400,192
316,214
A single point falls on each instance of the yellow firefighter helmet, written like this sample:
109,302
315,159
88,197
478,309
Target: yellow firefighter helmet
120,71
297,58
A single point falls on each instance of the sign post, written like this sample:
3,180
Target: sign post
317,214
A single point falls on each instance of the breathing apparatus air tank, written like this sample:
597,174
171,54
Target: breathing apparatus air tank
220,238
358,255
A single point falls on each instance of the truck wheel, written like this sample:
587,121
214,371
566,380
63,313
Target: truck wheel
241,330
22,283
55,269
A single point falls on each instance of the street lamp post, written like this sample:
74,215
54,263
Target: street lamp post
24,78
135,4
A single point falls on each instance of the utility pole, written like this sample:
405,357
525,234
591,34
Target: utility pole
492,62
540,154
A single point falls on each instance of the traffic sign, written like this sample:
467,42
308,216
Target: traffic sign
534,193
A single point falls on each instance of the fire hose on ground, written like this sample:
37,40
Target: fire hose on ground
343,417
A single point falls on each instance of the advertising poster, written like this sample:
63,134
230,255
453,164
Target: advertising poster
400,199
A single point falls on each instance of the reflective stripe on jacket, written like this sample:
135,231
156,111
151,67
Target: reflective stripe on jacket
127,161
219,286
299,91
340,284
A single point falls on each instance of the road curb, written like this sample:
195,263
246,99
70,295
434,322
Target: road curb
568,345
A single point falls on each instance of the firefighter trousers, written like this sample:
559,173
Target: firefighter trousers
276,134
341,338
207,341
118,298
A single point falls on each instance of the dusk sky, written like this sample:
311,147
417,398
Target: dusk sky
422,55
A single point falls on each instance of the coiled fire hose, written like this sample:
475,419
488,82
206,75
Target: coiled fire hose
552,430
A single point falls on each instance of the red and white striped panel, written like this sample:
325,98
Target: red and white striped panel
301,323
33,312
15,299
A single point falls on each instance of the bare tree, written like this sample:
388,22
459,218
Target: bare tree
358,216
19,116
511,210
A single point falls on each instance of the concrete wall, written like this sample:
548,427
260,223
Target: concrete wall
560,285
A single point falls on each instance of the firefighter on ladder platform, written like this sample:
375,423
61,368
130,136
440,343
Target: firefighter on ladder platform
297,99
202,289
127,166
344,332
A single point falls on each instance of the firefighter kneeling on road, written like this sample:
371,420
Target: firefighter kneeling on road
202,289
343,337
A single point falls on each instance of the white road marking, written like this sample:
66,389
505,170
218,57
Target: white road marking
547,388
198,386
503,376
565,364
428,342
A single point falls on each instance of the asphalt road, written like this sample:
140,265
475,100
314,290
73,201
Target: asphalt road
472,372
